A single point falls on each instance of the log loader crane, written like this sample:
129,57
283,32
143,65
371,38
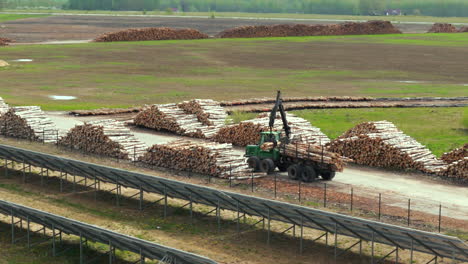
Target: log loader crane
270,153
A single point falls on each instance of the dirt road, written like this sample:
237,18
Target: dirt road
62,27
396,187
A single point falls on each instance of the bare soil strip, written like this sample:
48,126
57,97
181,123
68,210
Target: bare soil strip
79,27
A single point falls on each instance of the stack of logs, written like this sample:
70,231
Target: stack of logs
442,28
5,41
457,169
208,112
248,132
213,159
458,163
463,30
267,100
28,122
174,118
105,137
161,33
382,144
456,154
3,107
314,153
285,30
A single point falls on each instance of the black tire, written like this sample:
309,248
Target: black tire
328,175
308,174
295,171
254,163
267,166
283,167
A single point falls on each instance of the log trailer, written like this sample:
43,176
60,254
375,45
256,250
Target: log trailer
270,153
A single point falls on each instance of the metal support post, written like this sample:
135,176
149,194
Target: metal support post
218,216
252,181
325,195
380,206
352,196
300,185
269,227
301,243
409,211
54,253
238,218
440,216
411,251
276,176
165,202
140,204
81,249
336,241
191,210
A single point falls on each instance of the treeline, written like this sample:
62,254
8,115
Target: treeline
340,7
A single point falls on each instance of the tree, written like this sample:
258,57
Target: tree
2,4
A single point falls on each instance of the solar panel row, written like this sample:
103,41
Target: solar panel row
72,227
366,230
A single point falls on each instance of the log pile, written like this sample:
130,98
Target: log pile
457,169
170,117
456,154
105,137
5,41
268,100
3,107
314,153
106,111
286,30
28,122
248,132
208,112
463,29
160,33
442,28
381,144
215,159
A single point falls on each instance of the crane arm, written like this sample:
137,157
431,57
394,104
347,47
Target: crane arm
279,106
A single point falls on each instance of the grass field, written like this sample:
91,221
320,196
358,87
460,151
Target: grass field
259,15
9,17
440,129
136,73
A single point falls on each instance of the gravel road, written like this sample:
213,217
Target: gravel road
396,187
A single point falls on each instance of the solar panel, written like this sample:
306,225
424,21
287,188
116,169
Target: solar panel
148,249
400,237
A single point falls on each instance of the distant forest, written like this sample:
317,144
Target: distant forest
340,7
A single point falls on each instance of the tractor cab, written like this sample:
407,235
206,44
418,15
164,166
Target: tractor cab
266,147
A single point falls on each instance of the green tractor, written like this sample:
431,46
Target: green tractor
268,154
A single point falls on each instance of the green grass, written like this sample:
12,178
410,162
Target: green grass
440,129
10,17
136,73
260,15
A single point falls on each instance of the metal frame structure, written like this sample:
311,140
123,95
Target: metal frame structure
401,238
60,225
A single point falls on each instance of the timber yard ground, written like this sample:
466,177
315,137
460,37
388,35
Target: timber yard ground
138,73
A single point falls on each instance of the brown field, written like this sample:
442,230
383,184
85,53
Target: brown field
63,28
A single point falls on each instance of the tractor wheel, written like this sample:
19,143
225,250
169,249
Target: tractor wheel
308,174
328,175
267,166
254,163
295,171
